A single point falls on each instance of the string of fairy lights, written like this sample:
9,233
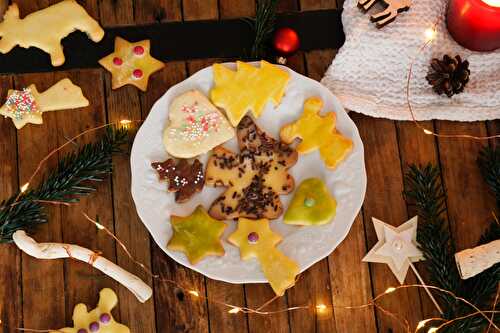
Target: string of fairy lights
319,308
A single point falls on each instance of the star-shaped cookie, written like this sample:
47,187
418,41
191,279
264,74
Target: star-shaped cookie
255,239
197,235
131,63
254,178
318,132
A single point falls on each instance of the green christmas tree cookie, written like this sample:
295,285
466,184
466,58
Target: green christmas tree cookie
312,204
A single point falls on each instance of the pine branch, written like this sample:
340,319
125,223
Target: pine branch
489,164
263,25
71,179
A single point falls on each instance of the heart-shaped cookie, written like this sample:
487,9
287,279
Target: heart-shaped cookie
195,126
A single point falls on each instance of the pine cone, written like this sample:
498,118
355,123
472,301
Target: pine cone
448,76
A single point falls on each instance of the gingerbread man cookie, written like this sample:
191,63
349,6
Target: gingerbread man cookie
183,178
247,89
195,126
256,240
131,63
99,320
312,204
318,132
197,235
45,28
27,106
255,178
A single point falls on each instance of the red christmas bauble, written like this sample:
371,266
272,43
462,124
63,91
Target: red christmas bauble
286,41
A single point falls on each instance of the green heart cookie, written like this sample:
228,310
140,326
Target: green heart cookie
312,204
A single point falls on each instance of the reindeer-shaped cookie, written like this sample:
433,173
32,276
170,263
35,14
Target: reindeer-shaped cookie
394,7
45,28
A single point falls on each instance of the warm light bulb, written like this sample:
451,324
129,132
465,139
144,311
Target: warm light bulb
321,307
25,187
430,33
426,131
194,293
234,310
432,330
390,290
422,323
99,226
493,3
125,122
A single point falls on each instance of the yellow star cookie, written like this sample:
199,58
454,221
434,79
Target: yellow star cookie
197,235
312,204
318,132
27,106
98,320
256,240
131,63
247,89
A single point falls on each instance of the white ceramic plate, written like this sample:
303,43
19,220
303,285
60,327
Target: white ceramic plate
305,245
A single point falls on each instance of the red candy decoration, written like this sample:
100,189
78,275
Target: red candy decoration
137,73
117,61
138,50
286,41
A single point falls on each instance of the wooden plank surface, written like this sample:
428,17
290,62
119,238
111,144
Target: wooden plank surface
53,288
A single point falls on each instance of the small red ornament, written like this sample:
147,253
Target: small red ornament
286,41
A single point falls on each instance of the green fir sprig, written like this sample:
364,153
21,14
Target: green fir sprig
263,25
425,192
71,179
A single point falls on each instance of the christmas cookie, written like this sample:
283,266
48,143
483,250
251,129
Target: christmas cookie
45,28
195,126
197,235
247,89
312,204
183,178
318,132
27,106
255,178
131,63
98,320
255,239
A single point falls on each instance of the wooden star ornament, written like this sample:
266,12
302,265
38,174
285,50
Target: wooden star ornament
131,63
197,235
396,247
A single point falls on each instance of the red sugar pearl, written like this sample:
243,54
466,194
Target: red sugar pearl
117,61
137,73
138,50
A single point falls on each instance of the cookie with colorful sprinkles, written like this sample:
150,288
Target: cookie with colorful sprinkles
131,63
195,126
183,178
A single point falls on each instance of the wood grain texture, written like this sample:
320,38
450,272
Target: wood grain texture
41,294
10,258
317,4
158,11
235,8
384,201
117,12
470,206
200,10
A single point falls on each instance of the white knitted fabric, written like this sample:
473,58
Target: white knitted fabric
369,73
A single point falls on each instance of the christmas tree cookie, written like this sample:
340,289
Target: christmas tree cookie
197,235
195,126
255,239
318,132
98,320
131,63
247,89
312,204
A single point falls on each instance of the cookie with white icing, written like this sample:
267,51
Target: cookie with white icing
195,126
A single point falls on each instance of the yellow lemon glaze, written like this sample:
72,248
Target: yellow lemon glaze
312,204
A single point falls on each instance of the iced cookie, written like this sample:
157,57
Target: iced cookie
318,132
131,63
183,178
195,126
27,106
45,28
254,178
312,204
98,320
255,239
247,89
197,235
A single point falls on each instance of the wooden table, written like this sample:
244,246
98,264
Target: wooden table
42,294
